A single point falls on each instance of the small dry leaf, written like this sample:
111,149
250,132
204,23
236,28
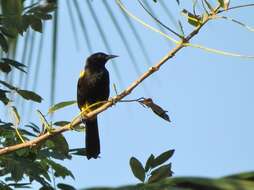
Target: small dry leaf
155,108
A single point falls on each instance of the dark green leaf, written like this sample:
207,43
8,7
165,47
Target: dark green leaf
60,106
3,97
29,95
20,185
6,68
162,158
25,23
8,32
25,132
149,162
63,186
60,171
4,43
16,173
47,188
160,173
15,64
34,127
209,5
43,16
60,144
8,85
194,20
78,151
61,123
36,24
137,169
49,153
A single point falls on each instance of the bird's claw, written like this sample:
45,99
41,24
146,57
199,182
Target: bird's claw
113,101
71,127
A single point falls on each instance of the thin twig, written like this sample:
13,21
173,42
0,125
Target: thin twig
236,7
134,100
204,7
157,20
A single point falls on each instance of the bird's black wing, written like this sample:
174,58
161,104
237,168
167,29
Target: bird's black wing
93,88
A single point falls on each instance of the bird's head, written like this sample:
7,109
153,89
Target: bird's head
98,60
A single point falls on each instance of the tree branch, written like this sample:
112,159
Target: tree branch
76,121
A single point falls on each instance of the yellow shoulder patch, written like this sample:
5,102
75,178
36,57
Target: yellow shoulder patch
86,108
82,74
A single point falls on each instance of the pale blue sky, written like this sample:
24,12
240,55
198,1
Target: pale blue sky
209,97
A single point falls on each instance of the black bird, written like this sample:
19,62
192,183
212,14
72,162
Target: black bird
93,87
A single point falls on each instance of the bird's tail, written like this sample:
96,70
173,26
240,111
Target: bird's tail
92,138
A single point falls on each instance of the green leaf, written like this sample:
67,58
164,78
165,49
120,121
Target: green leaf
209,5
43,16
17,173
78,151
20,185
9,32
137,169
160,173
34,127
46,188
29,95
149,162
193,20
59,170
60,106
6,68
36,24
44,121
8,85
221,2
60,145
25,24
63,186
3,97
4,43
61,123
162,158
15,64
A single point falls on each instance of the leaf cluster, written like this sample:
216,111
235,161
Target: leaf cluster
155,169
16,20
33,164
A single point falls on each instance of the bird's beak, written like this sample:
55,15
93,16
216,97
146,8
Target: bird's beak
111,56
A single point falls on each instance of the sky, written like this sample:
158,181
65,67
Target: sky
209,97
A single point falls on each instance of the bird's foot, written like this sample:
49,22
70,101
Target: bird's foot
71,127
113,101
